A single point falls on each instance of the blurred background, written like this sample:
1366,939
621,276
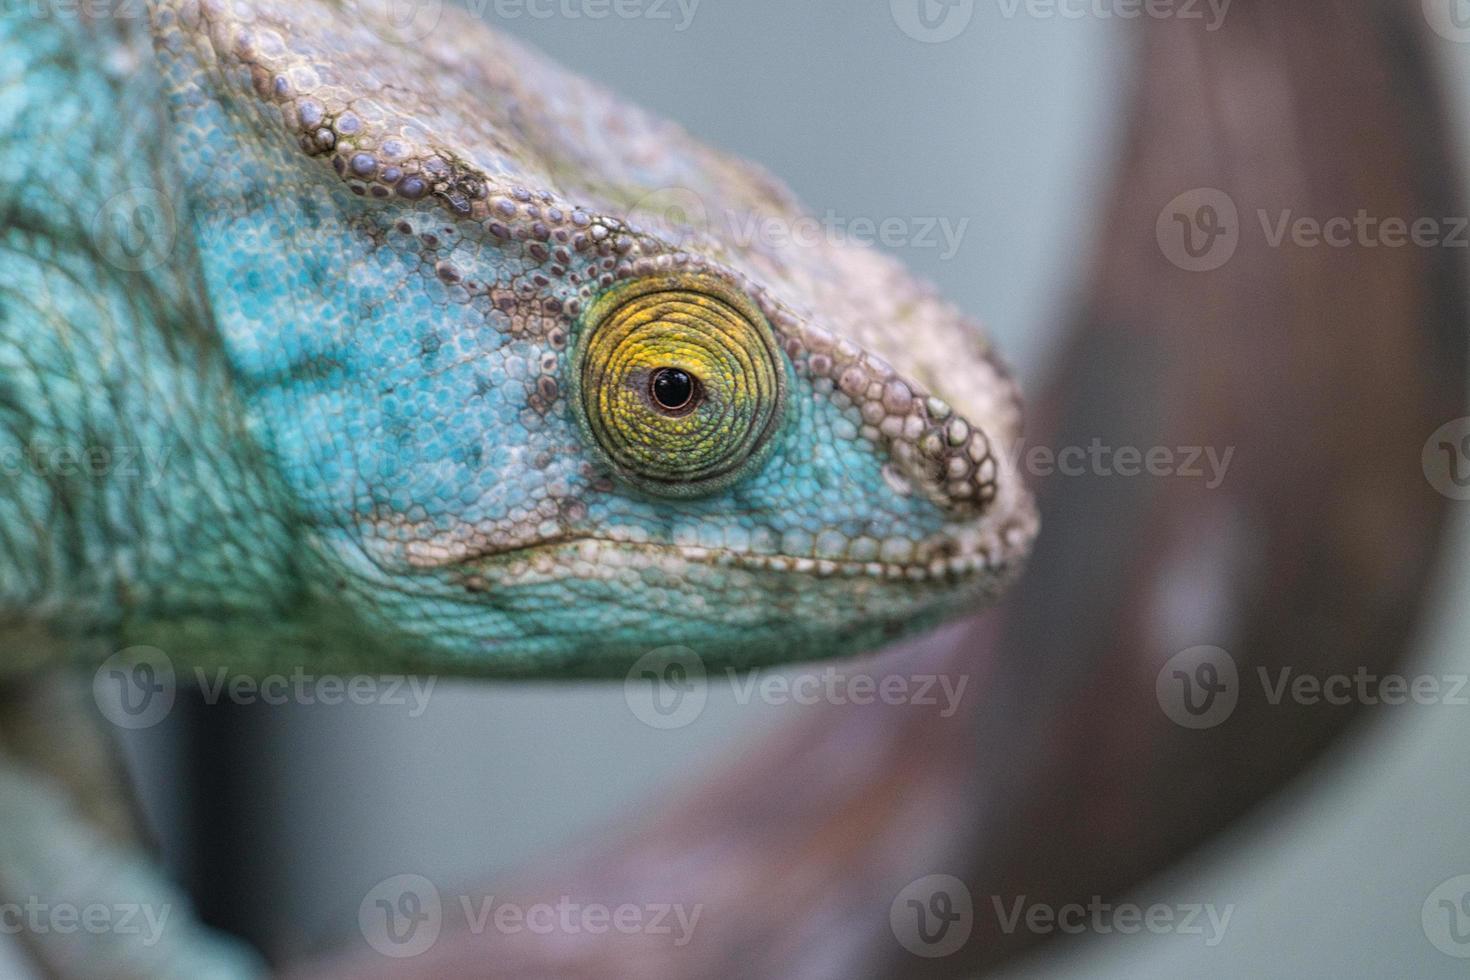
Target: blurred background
1007,134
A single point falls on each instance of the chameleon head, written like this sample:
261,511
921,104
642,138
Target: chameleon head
535,421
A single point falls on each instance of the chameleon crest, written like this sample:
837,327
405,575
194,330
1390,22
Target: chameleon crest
533,406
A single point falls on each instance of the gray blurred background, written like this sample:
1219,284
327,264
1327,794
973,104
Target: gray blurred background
1011,127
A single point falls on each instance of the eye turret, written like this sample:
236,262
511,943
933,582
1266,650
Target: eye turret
678,384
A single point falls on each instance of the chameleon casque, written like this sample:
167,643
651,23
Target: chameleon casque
422,369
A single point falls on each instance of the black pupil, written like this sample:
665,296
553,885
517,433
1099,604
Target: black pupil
672,389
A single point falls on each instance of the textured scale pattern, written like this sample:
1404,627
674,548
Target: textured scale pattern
385,255
128,480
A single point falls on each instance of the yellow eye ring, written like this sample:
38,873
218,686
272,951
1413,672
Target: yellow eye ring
678,384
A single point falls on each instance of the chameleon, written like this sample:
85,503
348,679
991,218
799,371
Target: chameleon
328,342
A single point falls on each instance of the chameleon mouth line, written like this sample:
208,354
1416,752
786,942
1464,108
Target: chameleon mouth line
543,556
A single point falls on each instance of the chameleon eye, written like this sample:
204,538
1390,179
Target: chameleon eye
679,384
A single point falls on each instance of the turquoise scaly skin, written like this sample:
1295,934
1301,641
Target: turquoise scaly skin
307,298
